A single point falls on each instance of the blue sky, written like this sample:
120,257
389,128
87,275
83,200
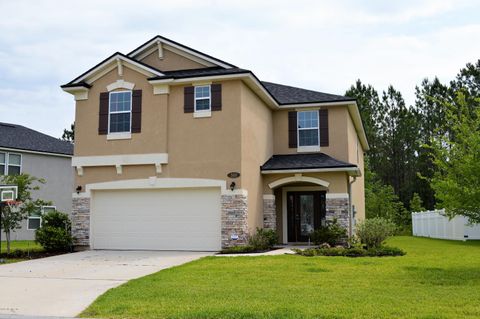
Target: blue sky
320,45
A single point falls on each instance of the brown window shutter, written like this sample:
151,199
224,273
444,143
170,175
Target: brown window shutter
136,111
292,129
216,91
103,114
323,121
189,99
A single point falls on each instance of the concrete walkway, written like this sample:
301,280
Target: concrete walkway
65,285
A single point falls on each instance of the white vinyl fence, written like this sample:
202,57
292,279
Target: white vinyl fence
435,224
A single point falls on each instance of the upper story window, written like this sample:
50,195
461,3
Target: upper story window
120,112
202,98
308,129
10,164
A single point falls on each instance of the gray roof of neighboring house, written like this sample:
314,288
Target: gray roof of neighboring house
303,161
22,138
285,94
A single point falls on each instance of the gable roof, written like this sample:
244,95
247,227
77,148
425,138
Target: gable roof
182,47
19,137
286,95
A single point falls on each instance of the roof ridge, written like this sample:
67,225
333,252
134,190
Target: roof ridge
299,88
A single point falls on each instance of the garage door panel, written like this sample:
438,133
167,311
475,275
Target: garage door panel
177,219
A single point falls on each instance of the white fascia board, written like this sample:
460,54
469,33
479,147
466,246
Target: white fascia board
114,59
16,150
155,40
353,171
114,160
248,77
157,183
357,121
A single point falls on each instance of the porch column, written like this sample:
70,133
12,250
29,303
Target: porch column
269,212
81,220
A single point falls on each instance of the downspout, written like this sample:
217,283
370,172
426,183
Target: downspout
350,210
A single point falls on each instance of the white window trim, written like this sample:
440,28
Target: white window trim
203,98
308,148
112,134
42,211
7,162
33,217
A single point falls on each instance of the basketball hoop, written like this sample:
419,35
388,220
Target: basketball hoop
14,205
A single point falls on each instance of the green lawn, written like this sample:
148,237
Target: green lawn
436,279
21,245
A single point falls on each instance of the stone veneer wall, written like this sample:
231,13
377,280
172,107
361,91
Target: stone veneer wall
234,219
269,213
338,208
81,221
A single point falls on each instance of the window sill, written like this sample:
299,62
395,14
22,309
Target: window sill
200,114
119,136
305,149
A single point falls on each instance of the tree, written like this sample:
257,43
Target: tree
416,204
69,135
456,182
11,219
381,200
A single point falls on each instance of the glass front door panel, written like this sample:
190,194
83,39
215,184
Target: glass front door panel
306,214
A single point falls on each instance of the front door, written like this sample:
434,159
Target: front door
305,213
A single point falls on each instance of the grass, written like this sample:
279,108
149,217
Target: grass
436,279
21,245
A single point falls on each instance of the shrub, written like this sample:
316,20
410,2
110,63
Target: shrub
54,234
332,234
263,239
238,250
373,232
351,252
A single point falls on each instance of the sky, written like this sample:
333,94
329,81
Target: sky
320,45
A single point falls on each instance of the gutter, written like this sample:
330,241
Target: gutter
350,207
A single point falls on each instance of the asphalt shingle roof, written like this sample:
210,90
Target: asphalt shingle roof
22,138
303,161
180,74
285,94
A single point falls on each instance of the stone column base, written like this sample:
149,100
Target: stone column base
337,208
234,219
269,212
81,222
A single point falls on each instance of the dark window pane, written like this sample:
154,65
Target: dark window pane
33,223
2,169
119,122
13,170
2,158
203,105
308,137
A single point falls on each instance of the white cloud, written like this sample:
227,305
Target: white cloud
322,45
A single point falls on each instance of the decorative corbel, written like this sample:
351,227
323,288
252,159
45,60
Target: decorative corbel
120,67
119,169
160,50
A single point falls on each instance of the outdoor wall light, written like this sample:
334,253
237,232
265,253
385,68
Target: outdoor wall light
79,189
232,186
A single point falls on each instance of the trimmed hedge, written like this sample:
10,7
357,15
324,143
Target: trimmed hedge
351,252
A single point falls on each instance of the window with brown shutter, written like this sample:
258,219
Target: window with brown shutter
216,94
189,99
103,114
292,129
136,111
323,119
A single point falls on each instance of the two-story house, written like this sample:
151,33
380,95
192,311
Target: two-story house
23,150
178,150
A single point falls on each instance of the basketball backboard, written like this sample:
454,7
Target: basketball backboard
8,193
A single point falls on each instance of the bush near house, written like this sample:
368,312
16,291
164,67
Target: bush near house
374,231
54,234
262,240
333,234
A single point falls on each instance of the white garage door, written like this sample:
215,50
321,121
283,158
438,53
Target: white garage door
172,219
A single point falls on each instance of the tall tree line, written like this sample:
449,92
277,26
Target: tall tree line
400,136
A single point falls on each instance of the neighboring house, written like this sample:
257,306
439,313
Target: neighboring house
175,149
23,150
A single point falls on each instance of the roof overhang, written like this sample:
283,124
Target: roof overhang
351,171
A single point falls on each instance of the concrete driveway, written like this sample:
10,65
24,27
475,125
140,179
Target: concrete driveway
65,285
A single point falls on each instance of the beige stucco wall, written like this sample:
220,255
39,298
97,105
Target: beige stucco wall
194,146
337,124
337,180
257,148
171,61
355,154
